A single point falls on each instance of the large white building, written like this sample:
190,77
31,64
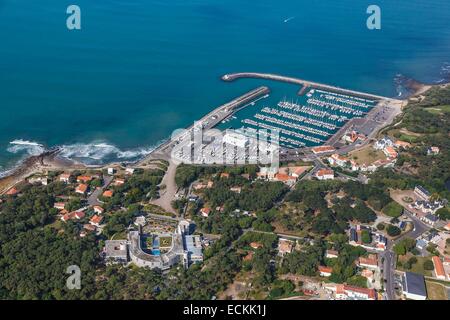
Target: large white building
184,248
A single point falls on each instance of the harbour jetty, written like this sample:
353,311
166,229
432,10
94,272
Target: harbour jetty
304,83
211,120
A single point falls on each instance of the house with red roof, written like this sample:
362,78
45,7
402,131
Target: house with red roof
439,270
96,220
98,209
325,174
108,194
325,271
12,192
360,293
84,179
205,212
82,189
59,205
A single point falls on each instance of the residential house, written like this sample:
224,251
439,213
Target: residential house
323,149
325,271
325,174
12,192
422,192
79,215
285,246
98,209
119,182
84,179
108,194
390,152
236,189
330,254
431,151
370,262
82,189
224,175
430,219
358,293
255,245
287,179
38,180
59,205
368,274
205,212
65,177
336,159
439,270
96,220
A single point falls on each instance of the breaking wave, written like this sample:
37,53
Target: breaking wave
99,152
95,153
29,147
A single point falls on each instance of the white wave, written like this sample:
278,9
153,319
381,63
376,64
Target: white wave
88,153
29,147
101,151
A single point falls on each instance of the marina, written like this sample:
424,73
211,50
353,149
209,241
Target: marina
312,119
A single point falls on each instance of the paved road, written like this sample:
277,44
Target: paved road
389,256
93,198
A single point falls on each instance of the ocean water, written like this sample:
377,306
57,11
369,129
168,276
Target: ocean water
139,69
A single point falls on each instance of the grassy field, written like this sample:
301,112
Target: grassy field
416,267
393,209
436,291
367,155
439,109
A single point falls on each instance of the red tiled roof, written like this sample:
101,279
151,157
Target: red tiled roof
371,293
325,172
82,188
84,178
255,245
323,149
13,191
438,267
284,177
96,219
108,193
368,261
79,215
325,269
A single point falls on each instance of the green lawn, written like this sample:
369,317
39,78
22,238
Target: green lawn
416,267
439,109
393,209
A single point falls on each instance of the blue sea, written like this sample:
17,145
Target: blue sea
138,69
